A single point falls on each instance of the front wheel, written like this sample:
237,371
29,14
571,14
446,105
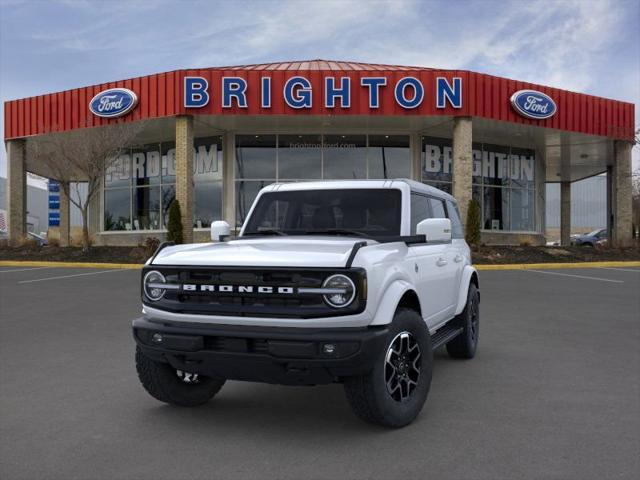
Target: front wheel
393,392
173,386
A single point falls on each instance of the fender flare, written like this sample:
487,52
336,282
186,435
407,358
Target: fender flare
389,302
467,274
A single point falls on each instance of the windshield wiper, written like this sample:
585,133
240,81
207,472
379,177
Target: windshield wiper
266,232
338,231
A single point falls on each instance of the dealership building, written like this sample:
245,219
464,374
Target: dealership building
213,137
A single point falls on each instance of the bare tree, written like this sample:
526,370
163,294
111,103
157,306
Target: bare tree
82,156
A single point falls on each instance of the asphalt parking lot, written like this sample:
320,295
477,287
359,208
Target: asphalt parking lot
554,392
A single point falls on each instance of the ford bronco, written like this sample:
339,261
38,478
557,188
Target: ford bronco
355,282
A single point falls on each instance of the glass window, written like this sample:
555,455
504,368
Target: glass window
374,212
477,156
168,162
300,156
522,210
495,165
419,210
522,167
457,230
436,160
168,195
146,208
496,212
208,203
118,174
389,156
437,208
207,160
345,156
256,156
117,205
246,193
145,165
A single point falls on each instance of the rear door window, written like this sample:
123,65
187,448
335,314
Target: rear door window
419,210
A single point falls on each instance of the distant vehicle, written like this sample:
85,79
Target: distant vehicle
591,239
42,241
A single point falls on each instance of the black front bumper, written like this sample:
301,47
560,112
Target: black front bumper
288,356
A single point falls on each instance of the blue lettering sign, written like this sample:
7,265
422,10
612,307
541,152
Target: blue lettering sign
444,92
297,92
266,92
195,92
331,92
373,84
401,94
234,87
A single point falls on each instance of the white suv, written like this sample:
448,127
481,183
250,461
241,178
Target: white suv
354,282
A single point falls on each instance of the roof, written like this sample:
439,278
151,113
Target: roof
346,184
320,64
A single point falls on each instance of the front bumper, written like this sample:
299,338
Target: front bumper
288,356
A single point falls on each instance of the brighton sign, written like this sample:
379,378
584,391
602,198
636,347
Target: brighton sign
298,93
533,104
113,103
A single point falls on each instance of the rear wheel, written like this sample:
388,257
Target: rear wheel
172,386
465,344
393,392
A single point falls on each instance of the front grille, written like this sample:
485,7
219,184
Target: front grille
254,304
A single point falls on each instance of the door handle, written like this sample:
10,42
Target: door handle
457,258
441,262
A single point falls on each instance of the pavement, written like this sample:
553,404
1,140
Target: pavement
553,393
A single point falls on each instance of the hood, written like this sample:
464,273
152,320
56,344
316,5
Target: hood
308,251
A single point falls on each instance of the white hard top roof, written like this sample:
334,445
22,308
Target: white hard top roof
345,184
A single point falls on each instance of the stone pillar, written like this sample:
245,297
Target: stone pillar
228,179
621,235
462,163
184,173
16,191
65,215
565,213
415,144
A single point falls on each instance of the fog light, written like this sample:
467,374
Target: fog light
329,348
157,338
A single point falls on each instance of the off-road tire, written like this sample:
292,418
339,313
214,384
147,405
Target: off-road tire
163,383
465,344
368,394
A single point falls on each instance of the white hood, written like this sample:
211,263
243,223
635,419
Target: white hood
291,251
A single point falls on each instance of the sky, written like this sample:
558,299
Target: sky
590,46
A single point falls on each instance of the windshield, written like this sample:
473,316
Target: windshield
358,212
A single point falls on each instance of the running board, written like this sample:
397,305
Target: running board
444,335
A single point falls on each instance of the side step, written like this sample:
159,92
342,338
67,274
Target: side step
444,335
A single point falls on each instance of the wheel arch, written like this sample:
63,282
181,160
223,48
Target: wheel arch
399,294
469,276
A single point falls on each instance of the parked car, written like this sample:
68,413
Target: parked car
591,239
354,282
41,240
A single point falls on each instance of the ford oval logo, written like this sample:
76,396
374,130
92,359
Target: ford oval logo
533,104
114,102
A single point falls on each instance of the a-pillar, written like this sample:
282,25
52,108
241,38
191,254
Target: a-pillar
565,213
462,163
184,173
65,214
16,191
621,185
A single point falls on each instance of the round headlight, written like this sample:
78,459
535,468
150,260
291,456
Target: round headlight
152,282
342,293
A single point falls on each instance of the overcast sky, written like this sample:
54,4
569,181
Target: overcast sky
582,45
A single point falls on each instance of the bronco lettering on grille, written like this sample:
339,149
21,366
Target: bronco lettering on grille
189,287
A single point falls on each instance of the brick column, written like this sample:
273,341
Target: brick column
565,213
184,173
16,191
228,179
65,215
462,163
621,235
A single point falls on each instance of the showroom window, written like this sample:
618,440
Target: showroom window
503,181
265,159
140,186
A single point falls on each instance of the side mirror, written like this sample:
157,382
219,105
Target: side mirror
220,231
435,229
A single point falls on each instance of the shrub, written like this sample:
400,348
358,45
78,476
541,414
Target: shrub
54,242
151,244
174,225
472,235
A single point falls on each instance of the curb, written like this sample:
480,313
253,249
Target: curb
20,263
508,266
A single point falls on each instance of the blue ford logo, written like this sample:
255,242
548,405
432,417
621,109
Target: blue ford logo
533,104
114,102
